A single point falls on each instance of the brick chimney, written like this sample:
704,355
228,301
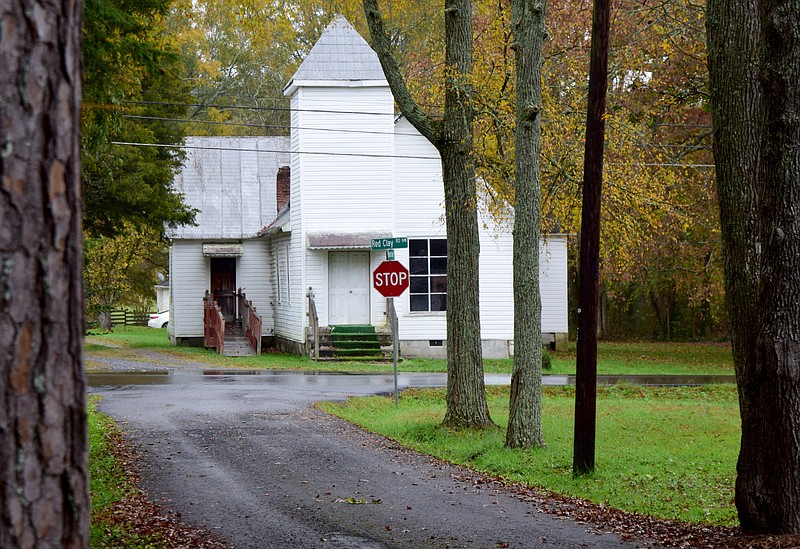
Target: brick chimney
283,188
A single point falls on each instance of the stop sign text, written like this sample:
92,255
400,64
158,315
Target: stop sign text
390,278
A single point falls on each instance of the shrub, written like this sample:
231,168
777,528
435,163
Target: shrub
547,360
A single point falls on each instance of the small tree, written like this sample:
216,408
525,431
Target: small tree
121,270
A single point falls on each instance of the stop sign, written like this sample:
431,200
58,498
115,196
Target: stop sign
390,278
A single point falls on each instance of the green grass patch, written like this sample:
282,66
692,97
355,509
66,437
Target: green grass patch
108,485
669,452
637,358
134,337
612,357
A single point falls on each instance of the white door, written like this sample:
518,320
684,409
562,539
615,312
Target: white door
348,288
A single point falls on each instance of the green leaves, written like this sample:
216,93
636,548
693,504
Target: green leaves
130,70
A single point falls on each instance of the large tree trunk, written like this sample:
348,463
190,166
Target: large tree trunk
466,394
754,63
525,406
43,441
453,137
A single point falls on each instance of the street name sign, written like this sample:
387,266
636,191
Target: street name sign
390,243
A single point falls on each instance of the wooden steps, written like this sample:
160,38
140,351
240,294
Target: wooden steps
236,344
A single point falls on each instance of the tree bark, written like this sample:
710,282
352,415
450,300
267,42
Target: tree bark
525,406
754,64
453,137
43,438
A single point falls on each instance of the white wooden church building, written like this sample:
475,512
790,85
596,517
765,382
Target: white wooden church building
288,218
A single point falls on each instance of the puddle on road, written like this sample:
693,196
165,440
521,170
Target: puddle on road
339,379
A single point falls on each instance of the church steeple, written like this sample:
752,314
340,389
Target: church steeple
340,55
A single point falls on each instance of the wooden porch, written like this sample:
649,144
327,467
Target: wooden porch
231,324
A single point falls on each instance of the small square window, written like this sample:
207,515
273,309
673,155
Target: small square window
419,302
428,274
418,248
439,247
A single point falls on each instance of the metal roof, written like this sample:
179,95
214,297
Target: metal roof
339,54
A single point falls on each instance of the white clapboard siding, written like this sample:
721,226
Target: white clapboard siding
418,201
419,212
346,188
290,314
252,276
191,278
553,282
418,209
317,279
496,283
289,304
189,281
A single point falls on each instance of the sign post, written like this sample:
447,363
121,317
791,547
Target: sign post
390,278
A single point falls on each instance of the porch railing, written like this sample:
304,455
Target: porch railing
313,322
213,324
251,321
245,313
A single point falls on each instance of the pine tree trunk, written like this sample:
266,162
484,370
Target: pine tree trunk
43,439
754,64
525,406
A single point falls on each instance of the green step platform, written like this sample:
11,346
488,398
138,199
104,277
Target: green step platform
355,341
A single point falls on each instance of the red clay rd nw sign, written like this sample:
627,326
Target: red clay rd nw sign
390,278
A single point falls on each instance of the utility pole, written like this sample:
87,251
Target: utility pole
589,268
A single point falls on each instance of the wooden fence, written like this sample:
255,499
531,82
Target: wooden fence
129,318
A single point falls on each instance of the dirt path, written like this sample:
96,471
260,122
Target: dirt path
258,466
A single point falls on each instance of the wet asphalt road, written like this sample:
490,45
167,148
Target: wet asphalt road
255,463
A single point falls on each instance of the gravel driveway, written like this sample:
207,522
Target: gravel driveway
251,460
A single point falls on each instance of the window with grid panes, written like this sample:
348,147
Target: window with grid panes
428,274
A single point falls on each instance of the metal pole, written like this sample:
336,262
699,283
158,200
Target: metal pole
394,348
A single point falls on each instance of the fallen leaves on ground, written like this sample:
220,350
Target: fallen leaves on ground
141,516
633,526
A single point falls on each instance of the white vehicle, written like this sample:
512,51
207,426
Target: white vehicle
160,320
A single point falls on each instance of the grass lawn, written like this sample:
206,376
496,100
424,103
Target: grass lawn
665,452
613,357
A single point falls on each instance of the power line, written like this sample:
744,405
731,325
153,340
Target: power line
364,155
256,125
321,153
251,107
340,130
656,165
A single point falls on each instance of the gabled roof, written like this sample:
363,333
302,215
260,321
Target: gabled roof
340,54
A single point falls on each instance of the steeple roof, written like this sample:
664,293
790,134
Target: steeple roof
339,54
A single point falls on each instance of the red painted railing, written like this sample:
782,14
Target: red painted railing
213,324
251,321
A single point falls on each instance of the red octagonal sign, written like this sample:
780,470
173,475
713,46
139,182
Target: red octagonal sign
390,278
